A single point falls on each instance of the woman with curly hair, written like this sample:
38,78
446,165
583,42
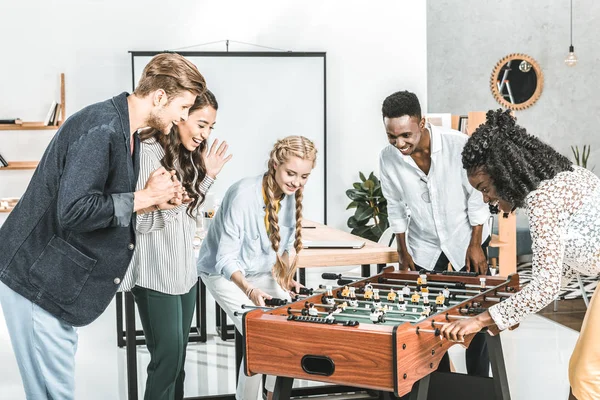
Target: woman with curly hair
162,276
514,169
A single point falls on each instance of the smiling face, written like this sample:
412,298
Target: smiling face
483,182
197,128
293,174
404,133
165,112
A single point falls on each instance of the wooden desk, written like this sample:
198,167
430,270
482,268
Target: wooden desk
371,253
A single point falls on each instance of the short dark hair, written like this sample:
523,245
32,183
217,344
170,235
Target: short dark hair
400,104
515,161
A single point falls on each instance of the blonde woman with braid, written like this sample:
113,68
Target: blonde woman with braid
244,257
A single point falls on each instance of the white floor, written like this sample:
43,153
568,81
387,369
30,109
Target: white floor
536,356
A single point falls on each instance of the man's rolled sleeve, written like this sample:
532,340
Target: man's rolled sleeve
123,209
396,208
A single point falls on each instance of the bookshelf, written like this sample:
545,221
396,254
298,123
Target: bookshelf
17,165
34,126
39,125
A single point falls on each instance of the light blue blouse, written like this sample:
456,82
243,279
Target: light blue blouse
237,238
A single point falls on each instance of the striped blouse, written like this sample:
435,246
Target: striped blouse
163,259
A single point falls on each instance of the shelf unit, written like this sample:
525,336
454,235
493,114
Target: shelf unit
35,126
20,165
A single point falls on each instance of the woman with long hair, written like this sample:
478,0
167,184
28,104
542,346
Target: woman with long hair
245,256
162,274
514,169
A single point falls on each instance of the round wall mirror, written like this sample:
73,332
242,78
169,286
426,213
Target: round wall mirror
517,81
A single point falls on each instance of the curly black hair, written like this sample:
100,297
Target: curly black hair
400,104
515,161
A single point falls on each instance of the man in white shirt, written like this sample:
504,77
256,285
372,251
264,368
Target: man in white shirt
437,216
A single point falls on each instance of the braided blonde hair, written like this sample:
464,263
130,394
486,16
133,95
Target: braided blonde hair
291,146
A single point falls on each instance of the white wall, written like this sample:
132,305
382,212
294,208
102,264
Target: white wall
373,49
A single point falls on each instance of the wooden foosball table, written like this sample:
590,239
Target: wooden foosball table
379,333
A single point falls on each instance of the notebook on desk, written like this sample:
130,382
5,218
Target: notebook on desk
333,244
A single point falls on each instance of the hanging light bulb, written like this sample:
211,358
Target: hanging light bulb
571,59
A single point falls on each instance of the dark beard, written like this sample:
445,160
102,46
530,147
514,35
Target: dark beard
155,123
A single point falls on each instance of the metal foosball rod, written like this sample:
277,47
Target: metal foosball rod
366,309
359,295
434,283
291,311
436,289
408,304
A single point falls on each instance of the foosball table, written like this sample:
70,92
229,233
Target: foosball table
380,333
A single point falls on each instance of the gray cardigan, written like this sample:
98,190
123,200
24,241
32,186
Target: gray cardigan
68,242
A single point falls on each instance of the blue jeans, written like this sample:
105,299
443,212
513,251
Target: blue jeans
44,347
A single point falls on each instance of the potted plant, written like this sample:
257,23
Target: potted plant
581,159
370,217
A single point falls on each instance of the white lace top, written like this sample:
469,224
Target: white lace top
564,220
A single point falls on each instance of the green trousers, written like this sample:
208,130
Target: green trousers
166,320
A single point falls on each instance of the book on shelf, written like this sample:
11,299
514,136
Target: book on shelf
14,121
3,162
50,114
57,115
463,124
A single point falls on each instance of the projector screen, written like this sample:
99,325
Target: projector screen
263,96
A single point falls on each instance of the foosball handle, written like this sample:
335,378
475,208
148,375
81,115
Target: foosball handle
342,282
304,290
330,276
275,302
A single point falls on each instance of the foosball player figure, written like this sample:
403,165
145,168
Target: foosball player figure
345,292
482,284
426,311
425,298
391,297
377,315
376,298
406,290
439,301
328,297
312,310
414,300
446,293
352,301
368,291
330,316
422,283
340,307
401,302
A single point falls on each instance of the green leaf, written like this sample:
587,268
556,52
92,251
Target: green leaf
357,186
354,194
352,223
368,185
377,231
373,178
362,176
352,205
363,213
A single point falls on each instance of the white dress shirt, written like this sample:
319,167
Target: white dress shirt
437,210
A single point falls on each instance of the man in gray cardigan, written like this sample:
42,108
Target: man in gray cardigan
66,246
